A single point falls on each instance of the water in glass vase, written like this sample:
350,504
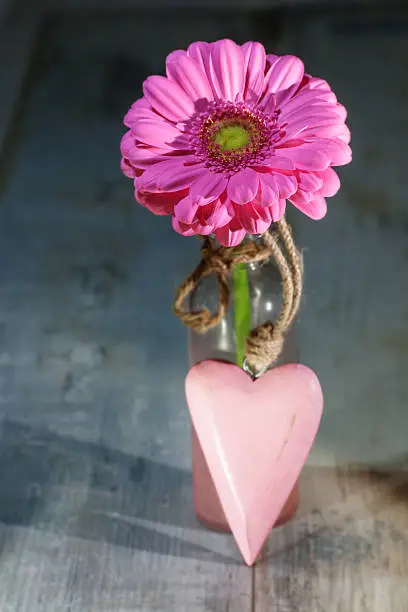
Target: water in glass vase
265,300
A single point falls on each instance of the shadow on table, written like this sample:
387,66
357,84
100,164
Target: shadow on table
89,491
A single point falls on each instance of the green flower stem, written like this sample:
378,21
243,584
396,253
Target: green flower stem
242,309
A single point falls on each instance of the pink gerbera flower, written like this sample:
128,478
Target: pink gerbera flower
229,135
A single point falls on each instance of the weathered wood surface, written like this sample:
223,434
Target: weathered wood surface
346,550
354,327
95,489
86,527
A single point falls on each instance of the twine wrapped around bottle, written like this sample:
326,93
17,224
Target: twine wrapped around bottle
265,342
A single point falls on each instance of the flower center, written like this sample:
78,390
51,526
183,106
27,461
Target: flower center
228,137
232,137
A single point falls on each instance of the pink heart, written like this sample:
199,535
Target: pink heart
256,436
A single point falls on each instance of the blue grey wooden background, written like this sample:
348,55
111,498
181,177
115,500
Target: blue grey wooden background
95,484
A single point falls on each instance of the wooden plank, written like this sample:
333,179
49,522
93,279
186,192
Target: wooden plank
86,336
95,484
85,527
353,327
347,550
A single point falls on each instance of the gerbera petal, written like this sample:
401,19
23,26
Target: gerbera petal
127,168
141,103
173,179
148,180
339,151
305,99
182,228
269,190
268,102
142,158
278,210
254,70
255,225
279,163
127,143
325,130
141,108
168,98
200,52
286,184
265,213
284,96
285,71
187,73
258,226
208,187
159,203
270,60
331,183
314,115
345,134
272,210
243,186
227,70
228,237
216,214
203,229
316,83
307,156
168,175
185,210
219,217
309,181
315,208
307,128
276,186
253,222
159,133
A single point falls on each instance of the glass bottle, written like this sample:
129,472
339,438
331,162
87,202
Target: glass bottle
265,290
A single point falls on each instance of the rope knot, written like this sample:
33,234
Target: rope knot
215,263
265,343
263,346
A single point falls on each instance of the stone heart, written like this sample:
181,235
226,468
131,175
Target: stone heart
256,436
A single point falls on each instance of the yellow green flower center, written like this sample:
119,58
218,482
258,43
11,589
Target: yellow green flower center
232,137
229,136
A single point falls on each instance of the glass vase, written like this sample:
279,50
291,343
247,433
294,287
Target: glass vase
265,293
